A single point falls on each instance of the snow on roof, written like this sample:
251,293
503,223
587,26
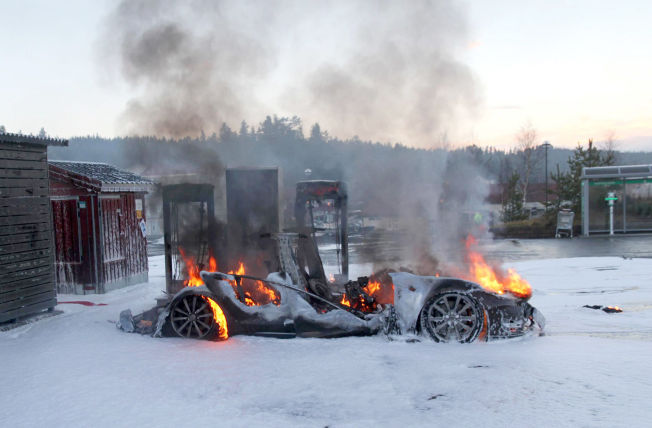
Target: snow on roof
105,177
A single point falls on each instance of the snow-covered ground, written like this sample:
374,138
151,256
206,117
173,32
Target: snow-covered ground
591,369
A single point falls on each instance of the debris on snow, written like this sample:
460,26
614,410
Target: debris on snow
607,309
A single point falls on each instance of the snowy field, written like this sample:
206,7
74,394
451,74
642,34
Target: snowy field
591,369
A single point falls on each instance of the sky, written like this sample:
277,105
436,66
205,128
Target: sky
572,69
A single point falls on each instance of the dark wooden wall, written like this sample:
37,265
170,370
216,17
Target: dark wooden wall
26,246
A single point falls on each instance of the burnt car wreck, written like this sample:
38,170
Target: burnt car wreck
444,309
302,302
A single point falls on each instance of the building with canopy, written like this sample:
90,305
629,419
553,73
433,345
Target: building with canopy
632,188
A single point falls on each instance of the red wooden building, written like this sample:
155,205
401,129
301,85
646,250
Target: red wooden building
99,223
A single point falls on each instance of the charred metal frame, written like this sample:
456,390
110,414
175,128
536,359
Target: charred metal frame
322,190
175,195
252,208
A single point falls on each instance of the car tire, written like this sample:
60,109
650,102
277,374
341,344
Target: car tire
452,316
192,317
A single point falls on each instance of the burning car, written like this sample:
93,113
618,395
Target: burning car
300,301
445,309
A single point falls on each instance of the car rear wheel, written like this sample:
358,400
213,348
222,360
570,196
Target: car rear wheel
452,316
191,316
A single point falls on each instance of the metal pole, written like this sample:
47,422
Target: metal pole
611,197
546,177
585,205
546,145
624,206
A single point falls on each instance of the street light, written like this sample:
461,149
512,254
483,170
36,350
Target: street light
546,145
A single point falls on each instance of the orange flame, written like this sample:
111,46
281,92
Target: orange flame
345,301
194,280
381,288
377,293
494,280
259,295
240,271
372,287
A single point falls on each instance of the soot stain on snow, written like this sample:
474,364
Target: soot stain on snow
606,290
602,268
436,396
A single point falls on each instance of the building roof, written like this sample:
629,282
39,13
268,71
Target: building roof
100,177
616,171
30,139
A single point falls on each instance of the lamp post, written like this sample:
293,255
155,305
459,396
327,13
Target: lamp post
546,145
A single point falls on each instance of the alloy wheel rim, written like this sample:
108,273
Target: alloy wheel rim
453,317
192,317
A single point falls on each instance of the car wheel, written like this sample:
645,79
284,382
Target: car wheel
452,316
191,316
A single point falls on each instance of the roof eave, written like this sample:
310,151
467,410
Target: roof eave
125,187
30,139
76,180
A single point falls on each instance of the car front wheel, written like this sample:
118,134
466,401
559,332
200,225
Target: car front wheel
452,316
191,316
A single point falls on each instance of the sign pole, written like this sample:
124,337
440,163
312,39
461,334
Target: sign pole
546,145
611,198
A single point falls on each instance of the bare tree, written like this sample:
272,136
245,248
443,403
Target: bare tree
527,141
443,142
610,148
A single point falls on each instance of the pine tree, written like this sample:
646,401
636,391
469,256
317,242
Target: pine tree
226,134
315,133
244,129
569,184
